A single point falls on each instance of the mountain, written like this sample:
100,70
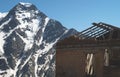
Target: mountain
27,40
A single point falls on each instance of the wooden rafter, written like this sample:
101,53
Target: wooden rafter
97,30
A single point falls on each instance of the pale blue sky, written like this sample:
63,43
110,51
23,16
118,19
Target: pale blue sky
78,14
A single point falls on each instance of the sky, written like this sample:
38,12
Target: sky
77,14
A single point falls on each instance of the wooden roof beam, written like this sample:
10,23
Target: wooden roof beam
101,26
91,31
109,25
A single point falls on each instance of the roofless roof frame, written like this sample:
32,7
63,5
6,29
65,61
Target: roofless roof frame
97,30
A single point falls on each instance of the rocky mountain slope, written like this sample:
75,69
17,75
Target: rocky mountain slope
27,39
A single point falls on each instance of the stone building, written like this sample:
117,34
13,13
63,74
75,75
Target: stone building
94,52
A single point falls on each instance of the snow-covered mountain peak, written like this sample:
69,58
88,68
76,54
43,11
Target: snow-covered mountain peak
21,8
24,15
25,20
27,38
25,4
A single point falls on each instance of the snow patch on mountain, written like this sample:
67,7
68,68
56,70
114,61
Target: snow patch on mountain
5,23
2,37
45,24
2,15
1,43
28,24
25,4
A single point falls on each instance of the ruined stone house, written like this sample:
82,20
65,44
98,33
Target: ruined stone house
94,52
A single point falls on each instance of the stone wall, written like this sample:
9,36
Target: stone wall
70,63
